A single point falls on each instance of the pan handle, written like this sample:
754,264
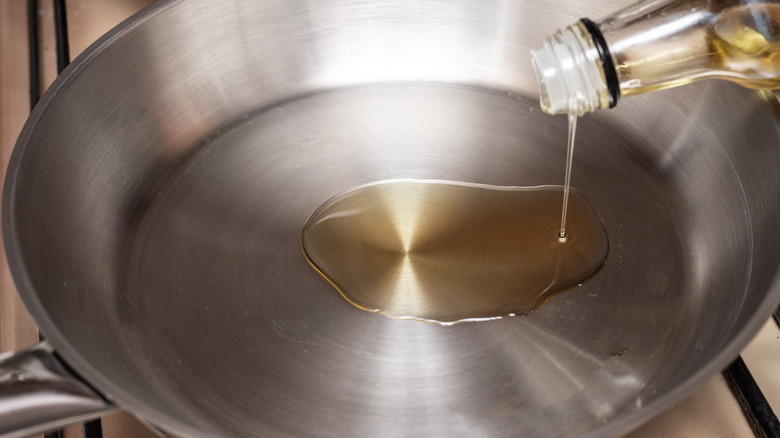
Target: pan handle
38,393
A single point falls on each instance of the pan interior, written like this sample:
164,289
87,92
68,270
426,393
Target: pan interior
213,265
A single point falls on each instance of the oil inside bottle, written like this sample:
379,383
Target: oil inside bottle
447,252
739,43
746,40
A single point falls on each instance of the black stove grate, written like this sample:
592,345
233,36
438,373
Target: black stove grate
757,411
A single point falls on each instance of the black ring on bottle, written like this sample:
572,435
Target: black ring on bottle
610,74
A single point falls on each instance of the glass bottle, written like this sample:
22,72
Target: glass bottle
658,44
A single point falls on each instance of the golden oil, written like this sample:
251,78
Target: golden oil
447,252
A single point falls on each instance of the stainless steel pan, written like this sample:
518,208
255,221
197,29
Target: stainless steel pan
154,204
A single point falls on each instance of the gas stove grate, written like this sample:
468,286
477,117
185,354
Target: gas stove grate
757,411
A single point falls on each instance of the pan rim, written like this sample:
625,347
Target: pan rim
101,380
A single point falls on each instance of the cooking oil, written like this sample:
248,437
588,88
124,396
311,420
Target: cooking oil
741,44
746,42
448,252
567,179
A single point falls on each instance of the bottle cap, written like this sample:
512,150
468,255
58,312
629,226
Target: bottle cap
553,91
569,73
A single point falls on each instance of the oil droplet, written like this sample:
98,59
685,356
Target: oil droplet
619,352
448,252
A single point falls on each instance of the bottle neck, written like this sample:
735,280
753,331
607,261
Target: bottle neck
575,71
605,57
655,45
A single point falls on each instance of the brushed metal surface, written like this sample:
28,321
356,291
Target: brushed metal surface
154,204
